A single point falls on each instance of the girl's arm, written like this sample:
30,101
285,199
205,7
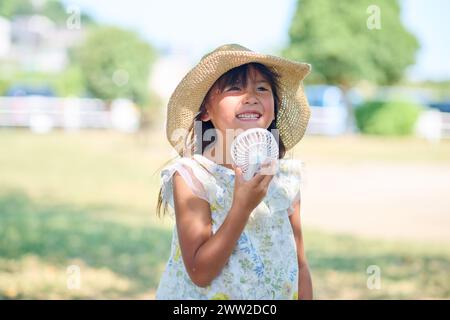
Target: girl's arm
205,254
305,290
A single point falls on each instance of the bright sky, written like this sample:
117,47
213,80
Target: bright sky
199,26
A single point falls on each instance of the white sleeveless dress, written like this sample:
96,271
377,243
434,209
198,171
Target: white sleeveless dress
264,262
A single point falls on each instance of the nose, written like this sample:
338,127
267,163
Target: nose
250,96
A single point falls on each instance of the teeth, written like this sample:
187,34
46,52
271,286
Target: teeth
249,115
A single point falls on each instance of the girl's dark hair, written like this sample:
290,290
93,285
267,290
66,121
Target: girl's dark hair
194,142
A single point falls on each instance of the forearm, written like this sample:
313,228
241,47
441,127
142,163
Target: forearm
305,290
212,256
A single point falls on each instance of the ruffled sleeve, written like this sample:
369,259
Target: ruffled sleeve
197,178
284,192
292,170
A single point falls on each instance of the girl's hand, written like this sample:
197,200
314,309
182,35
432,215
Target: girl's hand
248,194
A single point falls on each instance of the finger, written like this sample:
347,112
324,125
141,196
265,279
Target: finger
266,181
257,178
266,169
238,173
269,167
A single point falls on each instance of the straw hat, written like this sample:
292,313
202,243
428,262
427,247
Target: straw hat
293,113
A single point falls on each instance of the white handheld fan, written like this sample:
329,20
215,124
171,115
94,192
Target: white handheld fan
251,149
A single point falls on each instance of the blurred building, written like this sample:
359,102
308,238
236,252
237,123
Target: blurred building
35,43
5,37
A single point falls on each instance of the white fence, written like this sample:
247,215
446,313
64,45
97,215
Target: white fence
327,121
42,114
433,125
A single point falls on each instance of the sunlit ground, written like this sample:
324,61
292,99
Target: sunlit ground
88,199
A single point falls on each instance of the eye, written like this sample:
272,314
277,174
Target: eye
233,88
263,89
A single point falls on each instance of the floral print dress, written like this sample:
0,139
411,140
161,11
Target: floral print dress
264,263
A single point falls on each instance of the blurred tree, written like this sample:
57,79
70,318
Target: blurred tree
4,85
57,12
349,41
116,63
391,118
52,9
9,8
70,82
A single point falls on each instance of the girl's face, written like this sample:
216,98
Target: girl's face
239,107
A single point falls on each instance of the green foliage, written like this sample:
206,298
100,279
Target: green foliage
70,82
9,8
33,79
393,118
4,85
334,37
57,12
53,9
108,51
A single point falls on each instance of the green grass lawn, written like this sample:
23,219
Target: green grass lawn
88,200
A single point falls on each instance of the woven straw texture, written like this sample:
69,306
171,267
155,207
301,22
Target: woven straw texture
294,111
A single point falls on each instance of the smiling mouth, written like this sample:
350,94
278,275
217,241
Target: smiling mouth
248,116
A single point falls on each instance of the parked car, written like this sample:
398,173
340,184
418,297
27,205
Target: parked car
443,106
27,90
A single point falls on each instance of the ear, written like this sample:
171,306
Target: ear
205,116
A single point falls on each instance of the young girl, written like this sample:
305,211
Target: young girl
235,239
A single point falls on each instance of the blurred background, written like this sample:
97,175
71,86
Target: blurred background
83,90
